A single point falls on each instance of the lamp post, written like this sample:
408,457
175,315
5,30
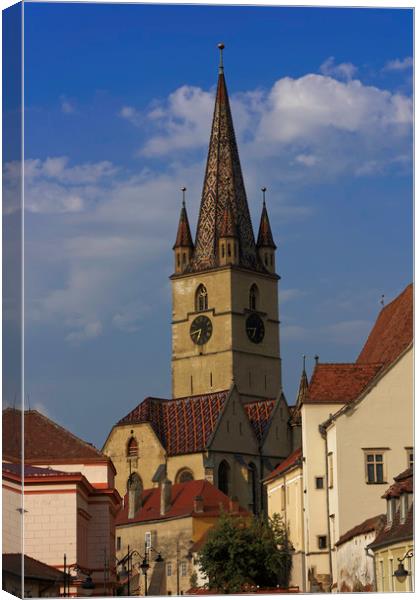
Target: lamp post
144,564
87,584
401,572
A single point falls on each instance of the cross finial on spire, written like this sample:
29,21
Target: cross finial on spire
383,299
183,190
304,362
221,47
263,189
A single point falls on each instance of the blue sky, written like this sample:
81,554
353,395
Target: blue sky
118,109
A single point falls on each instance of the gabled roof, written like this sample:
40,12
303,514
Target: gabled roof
223,184
372,524
339,383
34,569
403,484
183,425
259,413
45,440
392,332
293,460
182,503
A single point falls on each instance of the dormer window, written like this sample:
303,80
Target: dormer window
201,300
403,507
390,510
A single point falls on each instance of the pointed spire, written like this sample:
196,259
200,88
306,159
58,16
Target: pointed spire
223,182
265,237
183,236
303,385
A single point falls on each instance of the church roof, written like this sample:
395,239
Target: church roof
392,332
228,224
265,236
259,413
223,184
294,459
185,425
45,440
183,496
183,236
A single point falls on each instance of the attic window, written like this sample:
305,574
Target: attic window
132,448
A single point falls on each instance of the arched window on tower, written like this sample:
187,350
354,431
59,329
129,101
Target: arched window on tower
134,482
223,477
201,299
253,297
252,480
132,448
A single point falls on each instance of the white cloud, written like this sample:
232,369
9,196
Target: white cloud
344,71
290,294
399,65
309,160
88,332
132,115
67,106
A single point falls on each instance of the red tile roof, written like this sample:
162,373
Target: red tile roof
372,524
294,459
403,484
339,382
392,332
183,236
44,440
34,569
183,425
182,504
31,471
259,414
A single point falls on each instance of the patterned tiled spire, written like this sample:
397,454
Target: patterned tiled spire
228,225
265,237
183,236
223,182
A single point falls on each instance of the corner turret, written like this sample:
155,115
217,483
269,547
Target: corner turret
265,243
183,247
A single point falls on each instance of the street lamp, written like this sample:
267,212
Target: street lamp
401,572
87,584
144,564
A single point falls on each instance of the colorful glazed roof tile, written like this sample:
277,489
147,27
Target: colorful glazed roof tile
183,236
339,383
259,414
183,425
293,460
44,440
228,225
182,503
392,332
265,236
223,185
375,524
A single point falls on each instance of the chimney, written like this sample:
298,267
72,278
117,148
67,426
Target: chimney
233,504
199,504
165,496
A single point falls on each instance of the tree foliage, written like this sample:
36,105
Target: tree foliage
246,551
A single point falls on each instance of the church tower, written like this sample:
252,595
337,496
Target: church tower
225,323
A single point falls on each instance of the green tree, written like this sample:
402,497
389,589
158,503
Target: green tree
246,551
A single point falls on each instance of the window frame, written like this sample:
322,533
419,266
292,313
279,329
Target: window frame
375,452
319,538
317,479
201,298
148,539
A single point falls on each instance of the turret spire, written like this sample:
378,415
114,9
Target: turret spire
183,236
223,184
265,236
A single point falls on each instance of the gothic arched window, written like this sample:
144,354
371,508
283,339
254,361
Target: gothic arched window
201,300
184,475
252,480
135,483
132,448
223,477
253,297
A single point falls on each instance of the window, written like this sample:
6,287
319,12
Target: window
184,258
390,510
132,448
253,297
184,475
223,477
229,250
382,575
183,568
374,467
169,569
403,507
118,543
391,574
223,251
322,542
178,260
201,300
319,483
211,379
148,539
330,470
283,497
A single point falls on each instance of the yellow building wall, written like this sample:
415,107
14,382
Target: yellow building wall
383,419
386,560
229,354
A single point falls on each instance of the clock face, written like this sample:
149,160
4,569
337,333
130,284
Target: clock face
255,328
201,330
